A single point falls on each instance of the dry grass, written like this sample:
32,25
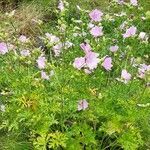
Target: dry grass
24,19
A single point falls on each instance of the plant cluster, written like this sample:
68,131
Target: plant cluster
84,85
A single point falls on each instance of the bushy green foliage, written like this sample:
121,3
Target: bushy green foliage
44,112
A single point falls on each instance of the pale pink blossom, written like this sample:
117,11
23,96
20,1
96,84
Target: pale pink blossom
57,49
145,67
41,61
142,70
3,48
23,39
114,48
96,15
89,61
130,32
25,53
96,31
120,2
86,47
92,60
107,64
61,5
52,38
44,75
125,76
79,62
134,2
82,105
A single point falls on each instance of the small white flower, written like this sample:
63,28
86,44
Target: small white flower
2,108
142,35
61,5
52,73
52,38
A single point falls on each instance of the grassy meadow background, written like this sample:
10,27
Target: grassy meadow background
118,109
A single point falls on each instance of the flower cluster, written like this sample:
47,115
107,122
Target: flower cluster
89,61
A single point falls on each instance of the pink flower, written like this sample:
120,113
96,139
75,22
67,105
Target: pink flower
96,31
3,48
52,38
142,70
79,62
114,48
82,105
25,53
134,2
23,39
120,2
125,76
92,60
44,75
107,64
96,15
86,47
41,61
130,32
57,49
61,5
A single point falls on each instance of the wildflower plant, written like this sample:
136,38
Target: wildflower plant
85,87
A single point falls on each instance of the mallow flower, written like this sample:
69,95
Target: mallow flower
89,61
61,5
52,38
79,62
44,75
96,15
114,48
3,48
41,61
57,49
82,105
130,32
92,60
23,39
134,2
85,47
142,70
96,31
25,53
120,2
125,76
107,63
